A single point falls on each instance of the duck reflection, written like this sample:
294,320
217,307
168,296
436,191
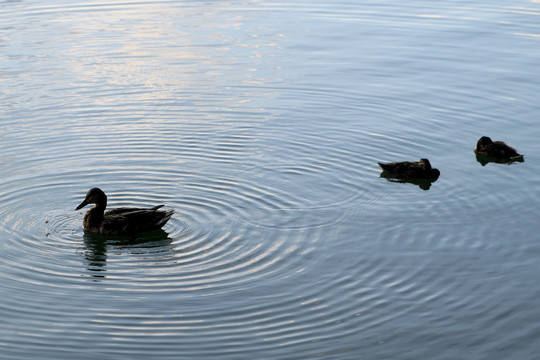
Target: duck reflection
484,160
424,184
95,254
97,246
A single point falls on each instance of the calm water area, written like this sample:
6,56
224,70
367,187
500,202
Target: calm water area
261,124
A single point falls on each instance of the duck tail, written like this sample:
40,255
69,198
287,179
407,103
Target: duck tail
383,167
166,217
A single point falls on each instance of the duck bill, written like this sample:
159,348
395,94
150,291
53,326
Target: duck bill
81,205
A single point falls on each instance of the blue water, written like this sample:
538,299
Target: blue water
261,123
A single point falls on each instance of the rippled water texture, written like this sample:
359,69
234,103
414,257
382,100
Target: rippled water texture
261,124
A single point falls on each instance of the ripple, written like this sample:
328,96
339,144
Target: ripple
212,247
206,245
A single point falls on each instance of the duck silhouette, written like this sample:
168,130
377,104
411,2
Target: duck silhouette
124,220
410,170
495,149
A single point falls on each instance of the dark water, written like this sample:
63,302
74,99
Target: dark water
261,123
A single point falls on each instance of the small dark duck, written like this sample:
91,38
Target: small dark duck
496,149
128,221
411,170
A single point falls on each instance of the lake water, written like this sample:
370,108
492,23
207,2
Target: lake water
261,123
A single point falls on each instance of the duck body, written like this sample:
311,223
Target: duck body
495,149
127,221
410,170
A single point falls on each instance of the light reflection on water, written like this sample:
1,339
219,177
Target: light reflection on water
261,124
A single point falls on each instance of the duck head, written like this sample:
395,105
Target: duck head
94,196
425,164
484,141
434,173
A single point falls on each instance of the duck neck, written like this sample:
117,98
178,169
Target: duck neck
94,216
101,205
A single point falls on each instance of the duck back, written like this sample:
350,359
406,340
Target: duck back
495,149
409,170
134,220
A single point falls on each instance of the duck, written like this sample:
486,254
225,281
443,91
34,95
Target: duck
495,149
120,221
410,170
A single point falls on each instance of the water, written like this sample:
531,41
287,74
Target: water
261,123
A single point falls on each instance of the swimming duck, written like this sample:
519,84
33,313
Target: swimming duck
121,220
495,149
411,170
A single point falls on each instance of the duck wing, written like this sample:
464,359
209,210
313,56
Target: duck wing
498,149
134,220
403,169
126,210
504,151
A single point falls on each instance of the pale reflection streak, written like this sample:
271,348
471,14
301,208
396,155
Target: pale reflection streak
513,10
530,11
118,50
526,11
530,35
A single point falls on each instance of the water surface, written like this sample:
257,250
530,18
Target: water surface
261,123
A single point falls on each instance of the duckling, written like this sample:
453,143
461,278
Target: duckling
411,170
495,149
121,220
